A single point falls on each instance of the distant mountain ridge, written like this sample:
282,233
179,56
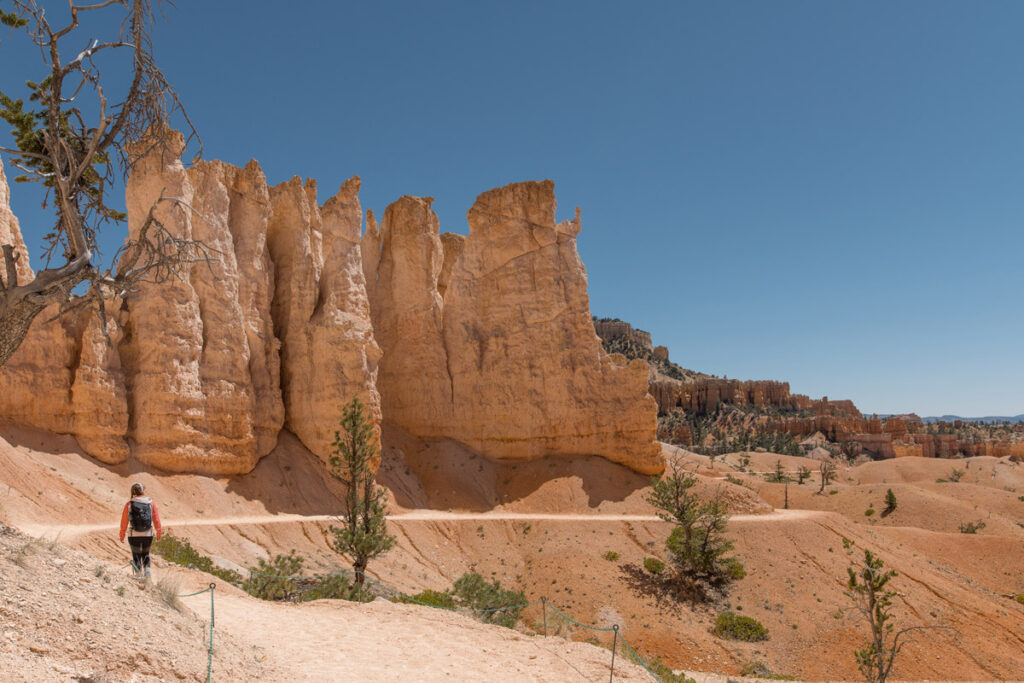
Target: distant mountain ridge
987,418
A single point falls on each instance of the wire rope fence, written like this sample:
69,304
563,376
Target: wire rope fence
393,594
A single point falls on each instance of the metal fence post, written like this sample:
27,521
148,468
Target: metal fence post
615,646
544,610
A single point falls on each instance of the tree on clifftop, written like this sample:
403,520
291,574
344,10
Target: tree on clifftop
363,534
72,151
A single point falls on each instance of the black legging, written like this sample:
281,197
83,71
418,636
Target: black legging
140,551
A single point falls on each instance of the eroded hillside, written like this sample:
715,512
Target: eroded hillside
548,526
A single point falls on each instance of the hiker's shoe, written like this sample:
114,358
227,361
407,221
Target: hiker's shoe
147,572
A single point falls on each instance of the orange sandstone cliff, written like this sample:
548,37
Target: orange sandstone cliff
484,339
488,338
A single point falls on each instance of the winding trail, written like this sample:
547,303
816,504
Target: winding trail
72,531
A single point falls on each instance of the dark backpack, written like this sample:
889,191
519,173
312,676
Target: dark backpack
141,516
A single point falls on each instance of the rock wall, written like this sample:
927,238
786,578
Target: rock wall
488,338
485,339
609,329
702,395
192,379
193,402
10,233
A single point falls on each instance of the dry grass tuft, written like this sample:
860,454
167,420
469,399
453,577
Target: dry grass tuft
168,588
3,500
23,558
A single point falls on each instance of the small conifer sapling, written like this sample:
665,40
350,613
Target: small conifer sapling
363,533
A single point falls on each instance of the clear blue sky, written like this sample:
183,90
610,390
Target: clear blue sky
828,193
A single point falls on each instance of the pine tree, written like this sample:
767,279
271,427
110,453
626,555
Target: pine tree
868,587
697,545
890,503
363,535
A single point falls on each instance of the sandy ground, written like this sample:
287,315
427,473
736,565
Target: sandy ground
383,641
548,527
68,532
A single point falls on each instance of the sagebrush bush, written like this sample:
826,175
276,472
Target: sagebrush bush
332,587
182,553
737,627
442,599
494,604
665,674
611,556
654,565
761,670
735,569
273,580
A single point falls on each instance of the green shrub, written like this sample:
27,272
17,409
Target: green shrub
1020,598
833,492
739,482
738,627
761,670
869,512
611,556
274,580
971,527
442,599
665,674
735,569
654,565
495,604
333,587
182,553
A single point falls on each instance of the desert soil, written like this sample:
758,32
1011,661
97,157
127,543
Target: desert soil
545,527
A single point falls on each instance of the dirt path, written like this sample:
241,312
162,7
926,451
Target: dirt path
73,531
384,641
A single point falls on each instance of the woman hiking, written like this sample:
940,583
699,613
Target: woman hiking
141,515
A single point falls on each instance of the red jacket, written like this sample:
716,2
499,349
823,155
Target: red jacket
156,519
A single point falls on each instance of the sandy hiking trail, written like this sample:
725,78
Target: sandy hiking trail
383,641
73,531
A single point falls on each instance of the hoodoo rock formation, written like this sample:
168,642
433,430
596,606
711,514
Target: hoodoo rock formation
488,338
193,404
767,406
10,233
193,378
485,339
320,309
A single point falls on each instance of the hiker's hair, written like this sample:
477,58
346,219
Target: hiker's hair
137,489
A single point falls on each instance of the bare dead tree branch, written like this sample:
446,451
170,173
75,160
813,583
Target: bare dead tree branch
74,158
